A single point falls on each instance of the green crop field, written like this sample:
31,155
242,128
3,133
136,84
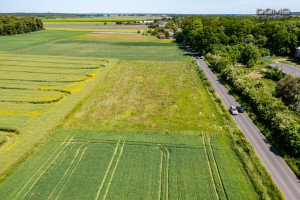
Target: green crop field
93,25
93,111
79,43
94,165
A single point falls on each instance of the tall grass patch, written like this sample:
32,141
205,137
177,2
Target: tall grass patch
149,96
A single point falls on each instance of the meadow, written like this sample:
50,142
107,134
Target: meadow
149,96
98,165
91,112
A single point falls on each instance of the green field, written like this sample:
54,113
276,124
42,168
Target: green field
93,25
105,113
66,42
149,96
94,165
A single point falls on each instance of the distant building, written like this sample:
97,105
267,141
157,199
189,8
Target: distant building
162,37
162,24
170,31
148,22
297,54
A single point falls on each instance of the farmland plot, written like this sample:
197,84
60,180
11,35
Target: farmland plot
81,43
149,96
35,93
95,165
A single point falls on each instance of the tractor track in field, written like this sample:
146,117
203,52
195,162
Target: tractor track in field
83,152
66,172
113,173
163,193
40,169
216,166
114,164
138,143
210,169
10,140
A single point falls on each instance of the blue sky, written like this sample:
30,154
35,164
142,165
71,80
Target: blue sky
148,6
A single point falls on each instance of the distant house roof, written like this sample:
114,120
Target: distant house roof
169,30
162,36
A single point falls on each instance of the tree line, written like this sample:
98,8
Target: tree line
12,25
234,36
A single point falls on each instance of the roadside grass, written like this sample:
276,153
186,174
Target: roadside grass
269,85
99,165
149,96
34,101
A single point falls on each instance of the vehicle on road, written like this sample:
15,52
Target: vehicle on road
202,57
240,109
233,110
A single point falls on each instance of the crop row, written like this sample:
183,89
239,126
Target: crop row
52,60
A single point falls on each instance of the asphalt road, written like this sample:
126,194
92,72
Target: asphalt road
287,69
280,172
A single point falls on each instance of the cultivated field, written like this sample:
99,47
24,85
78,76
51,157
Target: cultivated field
93,25
36,92
78,43
93,165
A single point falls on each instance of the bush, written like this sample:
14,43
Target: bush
275,74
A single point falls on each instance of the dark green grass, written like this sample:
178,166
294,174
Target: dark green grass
92,25
125,166
108,49
23,41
